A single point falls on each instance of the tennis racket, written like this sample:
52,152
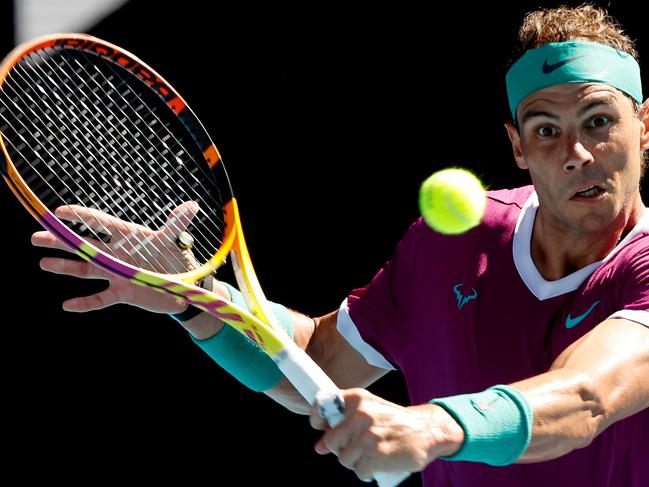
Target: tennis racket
109,158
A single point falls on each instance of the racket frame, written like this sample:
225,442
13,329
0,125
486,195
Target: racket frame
259,324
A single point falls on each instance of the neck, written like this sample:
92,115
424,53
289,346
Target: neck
558,250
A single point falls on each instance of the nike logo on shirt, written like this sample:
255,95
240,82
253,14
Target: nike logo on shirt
572,322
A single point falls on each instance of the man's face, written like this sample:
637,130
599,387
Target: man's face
582,144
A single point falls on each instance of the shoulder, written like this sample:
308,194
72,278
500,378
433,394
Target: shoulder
499,221
509,199
627,267
633,255
504,207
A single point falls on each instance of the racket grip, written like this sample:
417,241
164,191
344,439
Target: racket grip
390,479
332,408
317,388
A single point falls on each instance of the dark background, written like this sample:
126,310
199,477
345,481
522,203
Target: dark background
328,117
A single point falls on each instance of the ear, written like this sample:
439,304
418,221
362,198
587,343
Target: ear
643,115
515,139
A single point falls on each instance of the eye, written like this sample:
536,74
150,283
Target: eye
598,121
546,131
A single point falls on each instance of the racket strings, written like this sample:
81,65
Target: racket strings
196,167
214,206
99,232
108,147
134,128
52,196
154,133
86,121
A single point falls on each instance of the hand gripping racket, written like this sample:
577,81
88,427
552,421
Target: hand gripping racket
109,158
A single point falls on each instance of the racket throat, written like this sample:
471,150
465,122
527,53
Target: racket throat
252,293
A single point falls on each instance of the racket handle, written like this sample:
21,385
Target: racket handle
317,388
390,479
332,408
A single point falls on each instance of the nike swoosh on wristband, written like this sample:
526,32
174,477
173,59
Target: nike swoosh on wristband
548,68
572,322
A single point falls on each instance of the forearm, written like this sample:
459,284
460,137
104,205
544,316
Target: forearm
568,413
239,356
600,379
318,337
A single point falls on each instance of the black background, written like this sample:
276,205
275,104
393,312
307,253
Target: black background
328,117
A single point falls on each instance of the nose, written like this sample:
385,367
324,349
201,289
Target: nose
576,155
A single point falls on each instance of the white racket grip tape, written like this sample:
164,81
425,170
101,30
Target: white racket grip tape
317,388
332,405
301,371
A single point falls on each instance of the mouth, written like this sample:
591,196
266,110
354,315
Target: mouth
592,191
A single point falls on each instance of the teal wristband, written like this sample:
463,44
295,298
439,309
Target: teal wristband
240,356
497,425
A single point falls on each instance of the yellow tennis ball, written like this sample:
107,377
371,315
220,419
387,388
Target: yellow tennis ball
452,201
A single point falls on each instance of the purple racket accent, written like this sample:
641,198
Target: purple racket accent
54,224
213,305
122,268
133,273
76,242
188,292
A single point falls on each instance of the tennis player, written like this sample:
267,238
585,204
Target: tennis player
524,342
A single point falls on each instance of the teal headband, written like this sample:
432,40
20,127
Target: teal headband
572,62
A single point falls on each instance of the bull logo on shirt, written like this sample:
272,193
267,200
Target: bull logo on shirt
461,298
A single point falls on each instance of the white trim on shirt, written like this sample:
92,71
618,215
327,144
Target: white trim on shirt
522,252
636,315
347,328
528,272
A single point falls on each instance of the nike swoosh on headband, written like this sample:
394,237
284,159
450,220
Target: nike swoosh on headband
548,68
574,62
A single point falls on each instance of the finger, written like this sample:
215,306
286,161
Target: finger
352,399
350,455
75,268
321,447
317,422
93,302
179,219
97,220
365,469
333,441
48,240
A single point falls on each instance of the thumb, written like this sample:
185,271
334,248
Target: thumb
180,218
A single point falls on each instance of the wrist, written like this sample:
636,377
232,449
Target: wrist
241,356
448,435
204,326
200,325
190,312
497,425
